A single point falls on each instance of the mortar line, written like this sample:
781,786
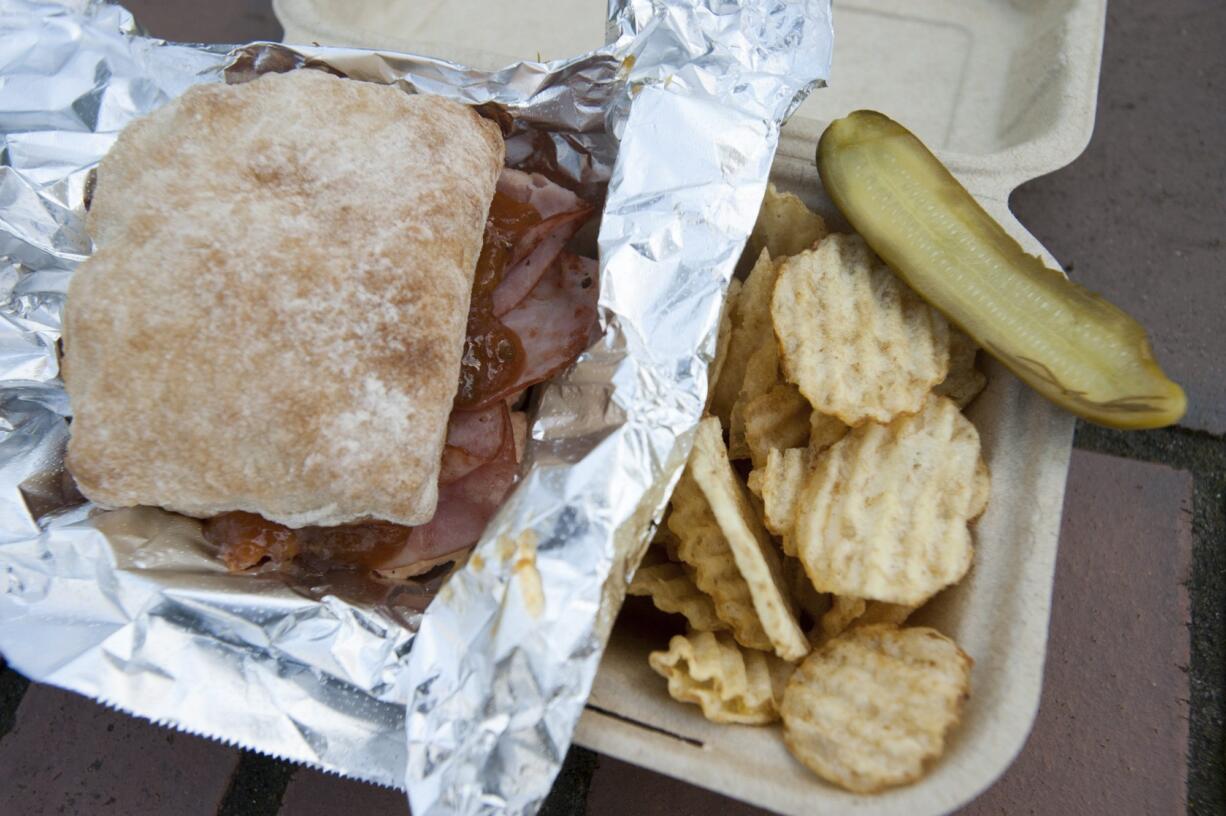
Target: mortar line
13,687
257,786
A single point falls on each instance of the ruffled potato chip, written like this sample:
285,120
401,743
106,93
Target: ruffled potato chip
672,590
808,600
869,708
702,546
666,540
859,344
780,483
761,375
723,338
785,226
731,684
844,613
775,420
751,322
881,612
964,381
824,431
756,556
884,513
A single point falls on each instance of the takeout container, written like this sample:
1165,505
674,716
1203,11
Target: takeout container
1004,93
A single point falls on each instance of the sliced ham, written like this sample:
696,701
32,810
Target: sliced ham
563,214
548,198
477,432
533,254
464,508
473,438
555,321
531,220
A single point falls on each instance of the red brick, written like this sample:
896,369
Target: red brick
312,793
620,788
1111,736
68,755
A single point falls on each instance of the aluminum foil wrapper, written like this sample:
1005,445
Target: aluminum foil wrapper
675,124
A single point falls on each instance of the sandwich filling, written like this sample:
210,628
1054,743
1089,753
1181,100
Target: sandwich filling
533,310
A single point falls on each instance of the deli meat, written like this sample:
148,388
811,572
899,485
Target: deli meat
533,310
556,320
546,198
465,506
533,256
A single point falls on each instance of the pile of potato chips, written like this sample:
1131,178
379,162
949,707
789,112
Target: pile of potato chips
843,391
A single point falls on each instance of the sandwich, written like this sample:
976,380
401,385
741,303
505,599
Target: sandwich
312,308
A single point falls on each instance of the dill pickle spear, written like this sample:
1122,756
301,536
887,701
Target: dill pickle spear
1069,344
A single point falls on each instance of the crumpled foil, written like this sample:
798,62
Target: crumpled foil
679,115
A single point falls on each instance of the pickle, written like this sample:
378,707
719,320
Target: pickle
1069,344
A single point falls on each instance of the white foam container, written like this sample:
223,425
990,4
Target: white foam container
1004,91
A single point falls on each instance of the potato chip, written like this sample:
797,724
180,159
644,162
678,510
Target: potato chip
672,590
964,381
881,612
731,684
785,226
666,540
702,546
722,338
754,481
775,420
750,323
519,433
853,337
868,709
761,375
983,490
824,431
808,599
754,552
884,512
781,481
843,612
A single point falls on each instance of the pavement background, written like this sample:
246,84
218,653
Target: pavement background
1131,720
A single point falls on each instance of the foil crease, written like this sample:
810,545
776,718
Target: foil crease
679,117
505,658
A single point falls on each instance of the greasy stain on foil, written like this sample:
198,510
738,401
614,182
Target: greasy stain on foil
531,590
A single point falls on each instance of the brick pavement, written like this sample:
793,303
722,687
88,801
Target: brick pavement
66,754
